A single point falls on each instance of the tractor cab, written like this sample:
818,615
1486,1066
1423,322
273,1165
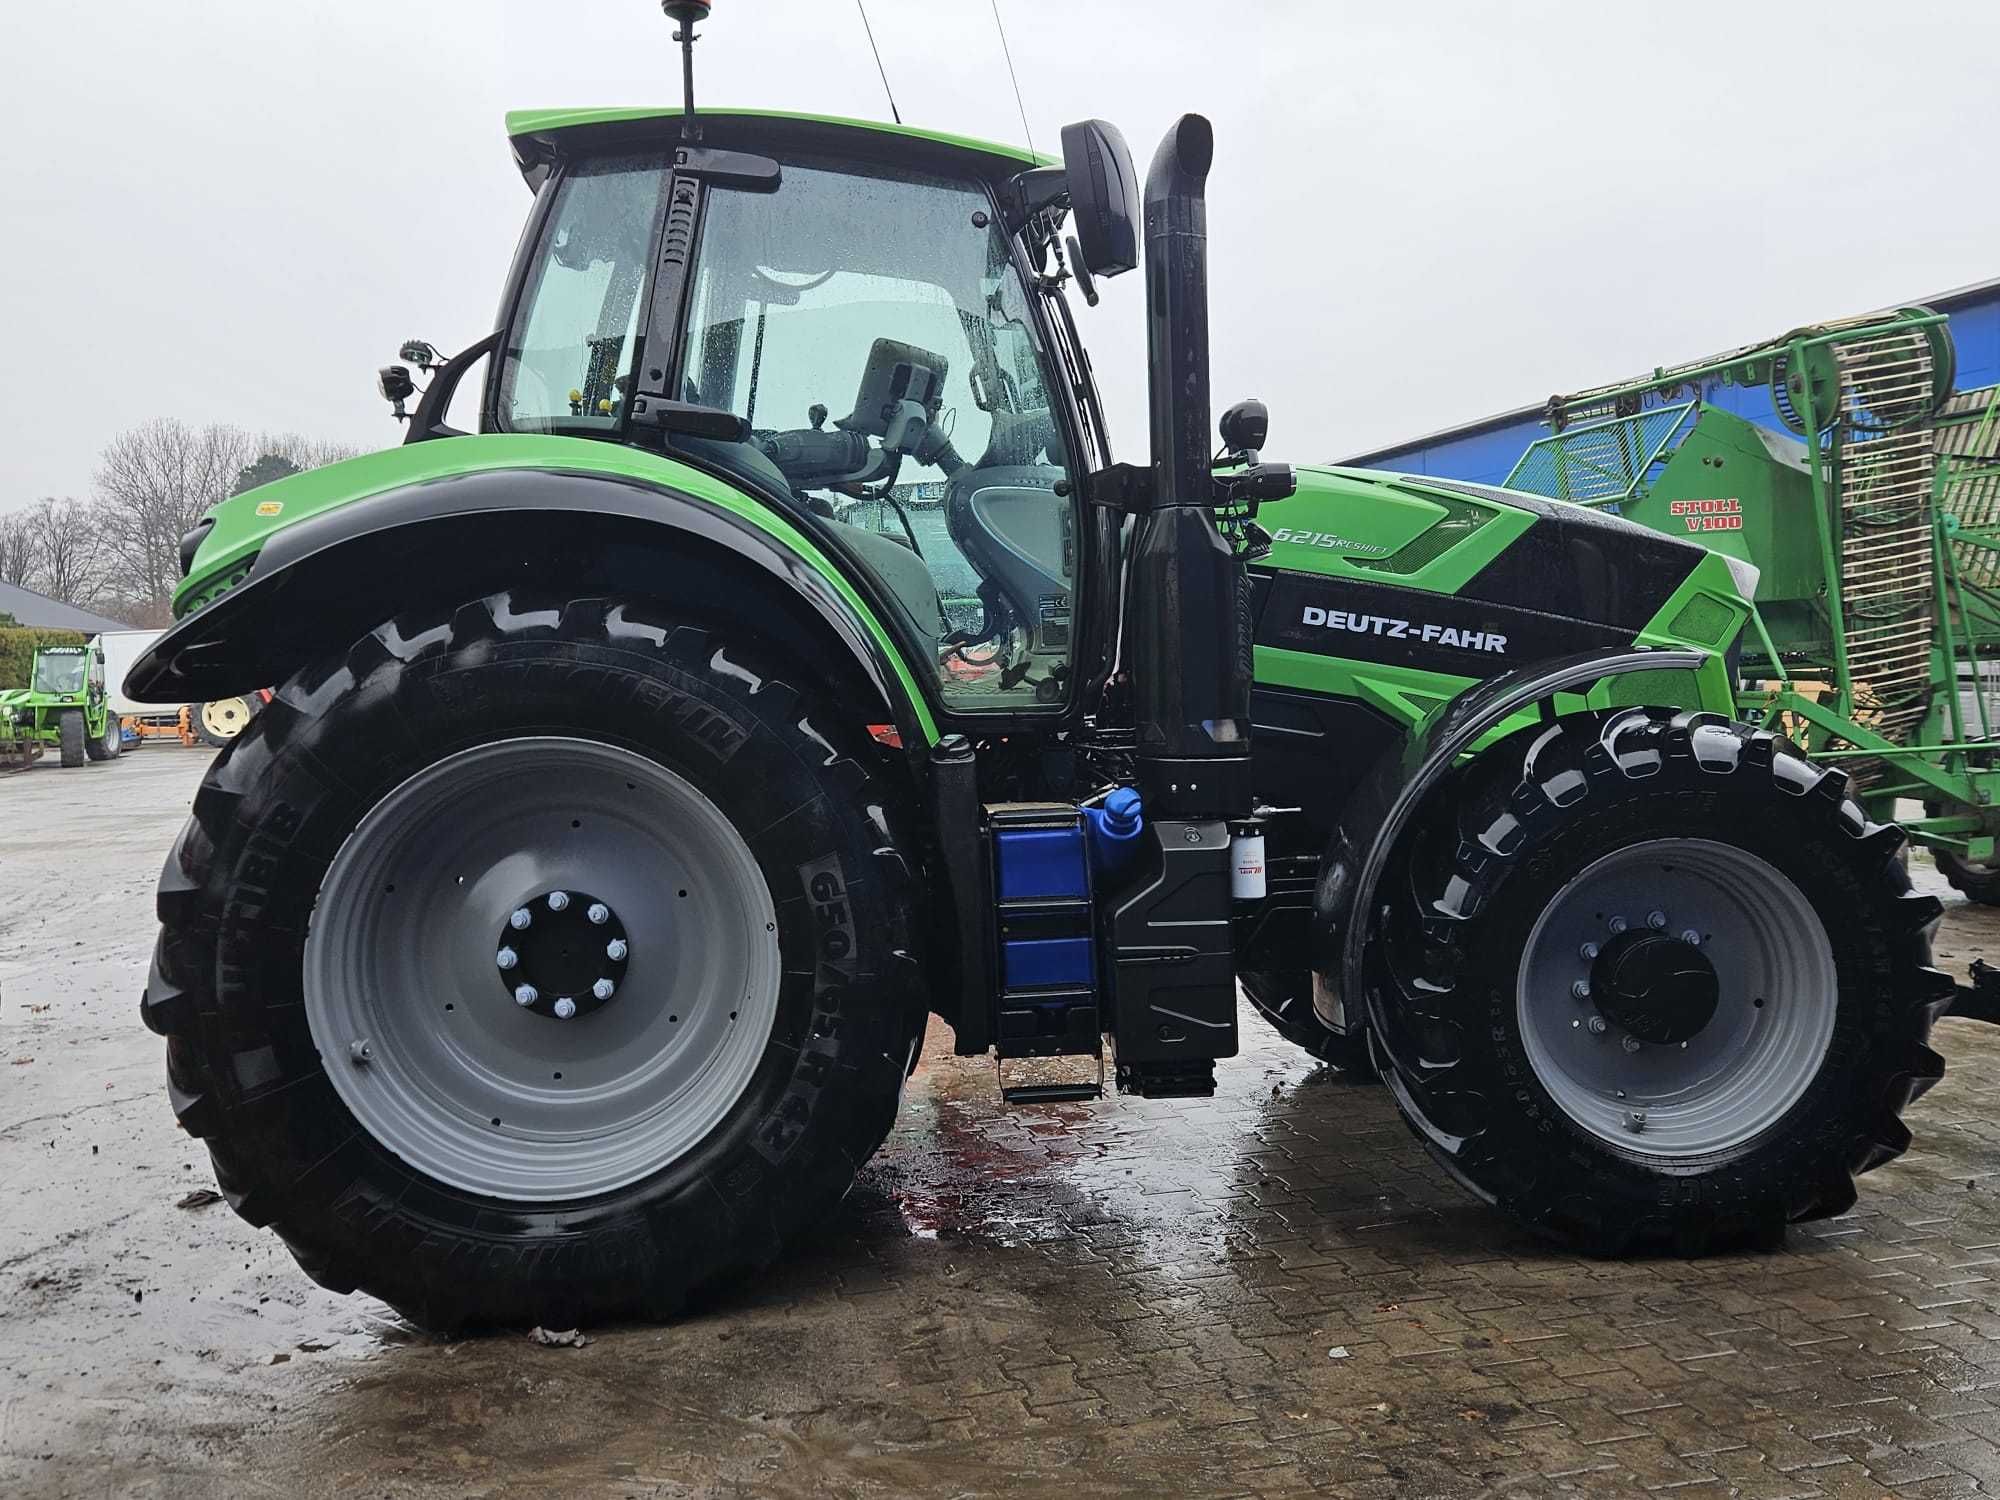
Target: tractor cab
870,348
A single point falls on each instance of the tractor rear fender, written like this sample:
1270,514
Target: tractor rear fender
321,583
1385,805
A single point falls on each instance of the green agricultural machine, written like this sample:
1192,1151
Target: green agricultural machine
64,707
786,661
1873,519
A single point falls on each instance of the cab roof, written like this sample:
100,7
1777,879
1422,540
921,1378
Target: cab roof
540,135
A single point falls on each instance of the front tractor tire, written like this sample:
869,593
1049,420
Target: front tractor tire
70,738
537,964
1652,979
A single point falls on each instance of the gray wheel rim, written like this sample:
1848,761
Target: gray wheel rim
1773,1023
417,1027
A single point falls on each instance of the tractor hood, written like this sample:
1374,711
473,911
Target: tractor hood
1469,580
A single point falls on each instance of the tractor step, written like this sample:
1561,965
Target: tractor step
1051,1091
1192,1078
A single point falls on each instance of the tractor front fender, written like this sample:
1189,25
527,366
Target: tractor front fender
1384,806
319,584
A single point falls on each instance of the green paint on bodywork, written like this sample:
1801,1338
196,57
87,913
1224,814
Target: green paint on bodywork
245,522
1387,529
522,122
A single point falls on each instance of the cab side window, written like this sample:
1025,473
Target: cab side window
876,336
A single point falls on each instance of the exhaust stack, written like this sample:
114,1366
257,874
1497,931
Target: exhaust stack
1187,623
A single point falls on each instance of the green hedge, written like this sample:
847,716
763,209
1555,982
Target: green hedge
18,644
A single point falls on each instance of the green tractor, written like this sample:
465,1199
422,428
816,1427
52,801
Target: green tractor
1840,462
64,706
785,661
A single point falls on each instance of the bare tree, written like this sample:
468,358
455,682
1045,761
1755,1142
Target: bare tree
17,556
153,483
304,452
66,551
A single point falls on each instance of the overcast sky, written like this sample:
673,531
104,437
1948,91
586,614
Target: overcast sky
1422,211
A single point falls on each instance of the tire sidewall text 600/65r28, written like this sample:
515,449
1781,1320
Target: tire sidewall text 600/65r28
566,1232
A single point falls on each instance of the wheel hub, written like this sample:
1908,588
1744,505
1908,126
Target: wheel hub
562,955
1660,989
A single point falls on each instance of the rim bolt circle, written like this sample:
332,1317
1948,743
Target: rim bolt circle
560,899
565,1008
603,989
1631,1044
1691,937
599,913
1657,920
1598,1025
526,994
1616,924
1581,989
616,949
1588,952
521,918
506,958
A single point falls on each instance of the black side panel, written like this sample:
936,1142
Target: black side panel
1462,634
1309,751
1591,564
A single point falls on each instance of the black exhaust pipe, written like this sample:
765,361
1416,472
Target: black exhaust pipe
1187,621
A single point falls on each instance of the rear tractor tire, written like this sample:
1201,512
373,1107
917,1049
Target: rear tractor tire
1654,979
70,738
107,745
608,987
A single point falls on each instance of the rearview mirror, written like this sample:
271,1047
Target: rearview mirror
1103,196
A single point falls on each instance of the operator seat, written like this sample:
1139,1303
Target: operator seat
907,582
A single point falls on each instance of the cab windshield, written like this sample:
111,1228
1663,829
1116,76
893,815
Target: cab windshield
876,336
59,674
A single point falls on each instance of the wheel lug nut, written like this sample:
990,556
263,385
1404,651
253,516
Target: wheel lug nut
1588,952
565,1008
526,994
1657,920
521,918
558,900
1598,1025
598,913
1691,937
1616,924
1631,1044
616,949
506,958
1581,989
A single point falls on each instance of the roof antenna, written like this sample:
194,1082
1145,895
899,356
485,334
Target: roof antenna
878,61
687,12
1007,52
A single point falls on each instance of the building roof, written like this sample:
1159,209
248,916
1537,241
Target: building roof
31,608
1945,302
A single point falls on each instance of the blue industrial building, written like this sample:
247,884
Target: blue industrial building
1486,450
